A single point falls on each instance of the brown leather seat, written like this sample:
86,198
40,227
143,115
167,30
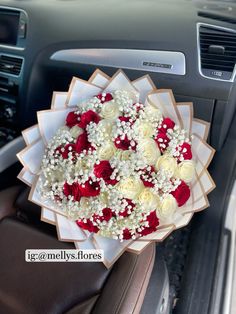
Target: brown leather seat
70,288
7,200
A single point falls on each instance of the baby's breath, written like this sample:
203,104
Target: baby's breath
138,122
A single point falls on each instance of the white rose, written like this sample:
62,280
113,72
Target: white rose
149,150
186,170
81,165
168,206
54,176
78,166
130,187
106,151
105,233
75,131
167,164
84,203
58,176
103,198
148,200
144,129
104,126
123,154
110,110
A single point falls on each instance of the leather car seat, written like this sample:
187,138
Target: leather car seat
55,288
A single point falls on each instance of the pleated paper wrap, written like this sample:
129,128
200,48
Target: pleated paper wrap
49,121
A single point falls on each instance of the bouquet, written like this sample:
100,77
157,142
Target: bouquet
116,164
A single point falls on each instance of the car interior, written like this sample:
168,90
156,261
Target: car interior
188,46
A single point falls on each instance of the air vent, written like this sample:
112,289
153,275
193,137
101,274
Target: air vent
217,52
217,17
10,65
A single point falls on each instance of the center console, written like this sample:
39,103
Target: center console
13,28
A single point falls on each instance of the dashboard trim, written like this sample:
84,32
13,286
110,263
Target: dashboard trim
167,62
12,47
199,51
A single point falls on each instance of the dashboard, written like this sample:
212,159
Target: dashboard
188,46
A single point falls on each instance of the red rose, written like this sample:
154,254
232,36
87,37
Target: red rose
111,182
69,148
72,119
162,141
107,214
153,224
87,117
125,119
104,98
97,218
146,175
185,151
73,190
57,152
153,220
123,144
90,188
76,192
181,194
138,106
104,170
82,143
67,189
129,207
145,231
126,234
87,225
57,198
167,123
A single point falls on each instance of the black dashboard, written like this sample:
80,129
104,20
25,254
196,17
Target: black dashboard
188,46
